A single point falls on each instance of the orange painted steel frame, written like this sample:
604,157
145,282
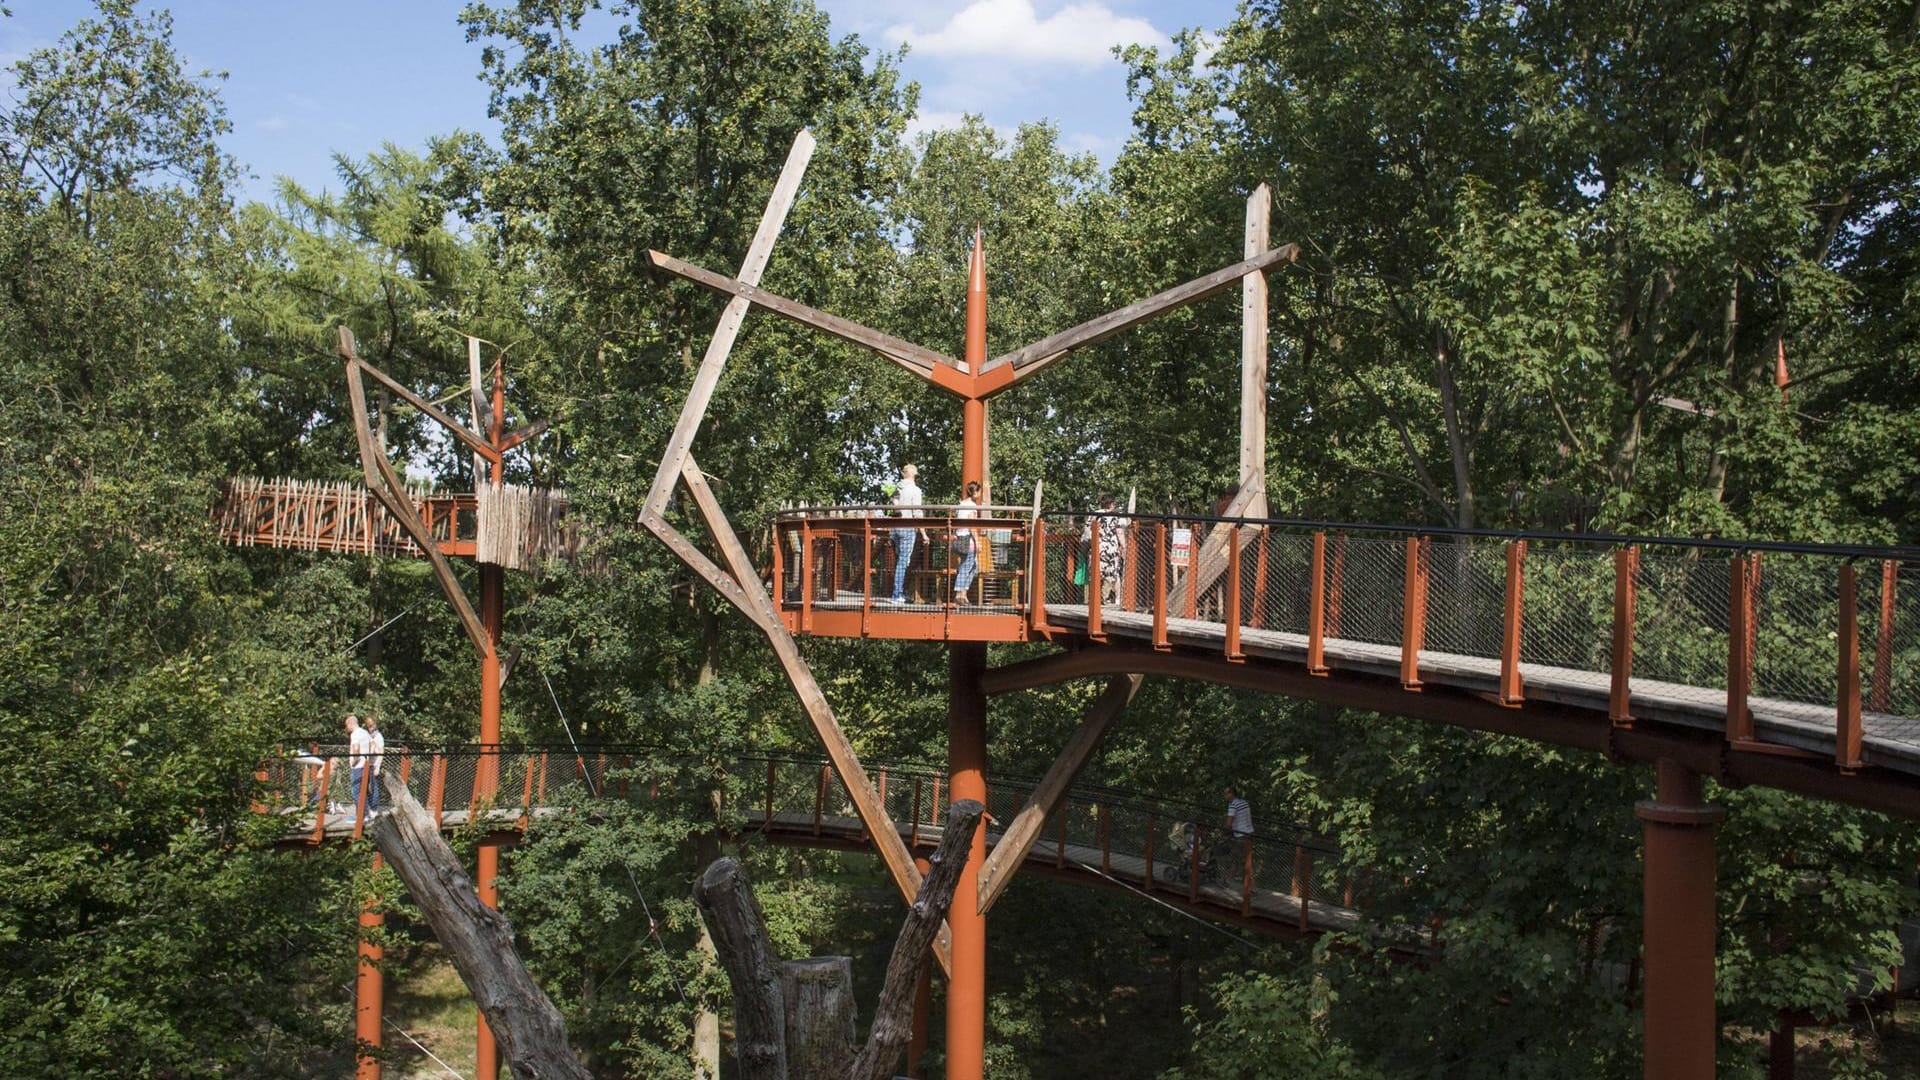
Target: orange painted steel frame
967,737
369,993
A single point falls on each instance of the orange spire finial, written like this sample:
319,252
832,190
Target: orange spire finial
977,306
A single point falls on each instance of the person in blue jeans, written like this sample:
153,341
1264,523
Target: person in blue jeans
966,543
907,500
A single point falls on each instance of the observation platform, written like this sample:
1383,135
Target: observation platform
1806,653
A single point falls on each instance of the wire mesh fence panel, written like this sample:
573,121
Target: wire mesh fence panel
1796,629
1366,576
1680,624
1900,671
1466,589
1276,570
1061,560
1567,615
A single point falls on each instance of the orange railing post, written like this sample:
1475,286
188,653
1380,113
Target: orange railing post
1882,694
806,576
819,798
437,789
1740,650
1146,861
1413,612
320,808
779,574
1129,570
1302,878
1160,590
526,794
1626,573
1232,605
866,573
1317,607
913,840
1512,692
1846,742
1106,847
1246,879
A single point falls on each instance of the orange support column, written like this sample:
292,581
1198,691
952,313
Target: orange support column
1232,605
1095,629
486,1054
1680,1032
967,765
1037,577
369,991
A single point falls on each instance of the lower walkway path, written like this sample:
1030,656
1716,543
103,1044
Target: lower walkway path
1280,883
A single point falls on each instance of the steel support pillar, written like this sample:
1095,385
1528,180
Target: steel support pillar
486,779
369,1005
1680,1032
967,771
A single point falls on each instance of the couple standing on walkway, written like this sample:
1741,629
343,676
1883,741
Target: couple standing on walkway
908,500
366,748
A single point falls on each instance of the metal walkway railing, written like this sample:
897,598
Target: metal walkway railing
1283,877
1809,648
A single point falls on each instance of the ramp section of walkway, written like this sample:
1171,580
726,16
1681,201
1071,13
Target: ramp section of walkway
1282,881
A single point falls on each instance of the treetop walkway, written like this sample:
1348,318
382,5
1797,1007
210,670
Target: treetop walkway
1282,882
1800,651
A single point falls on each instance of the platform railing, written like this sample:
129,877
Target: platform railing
849,558
1796,631
1286,874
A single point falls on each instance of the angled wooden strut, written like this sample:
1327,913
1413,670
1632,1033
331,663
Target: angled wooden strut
392,493
738,582
1020,836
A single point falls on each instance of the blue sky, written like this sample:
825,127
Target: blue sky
310,79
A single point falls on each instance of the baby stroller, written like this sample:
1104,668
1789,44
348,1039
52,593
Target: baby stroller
1193,843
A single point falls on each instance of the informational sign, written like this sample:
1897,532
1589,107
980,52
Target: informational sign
1181,542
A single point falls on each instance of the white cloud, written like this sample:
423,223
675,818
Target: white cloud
1081,34
276,122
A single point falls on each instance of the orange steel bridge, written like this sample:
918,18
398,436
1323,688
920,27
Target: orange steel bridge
1791,665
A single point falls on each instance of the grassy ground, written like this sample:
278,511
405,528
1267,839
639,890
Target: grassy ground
427,1000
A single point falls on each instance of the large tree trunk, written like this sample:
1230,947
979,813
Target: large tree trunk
797,1021
479,940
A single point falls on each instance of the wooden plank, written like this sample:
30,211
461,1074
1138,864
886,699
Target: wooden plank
1031,359
477,405
721,346
873,815
915,358
458,430
387,487
731,550
1253,347
1024,831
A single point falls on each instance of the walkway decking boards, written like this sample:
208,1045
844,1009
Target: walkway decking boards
1889,741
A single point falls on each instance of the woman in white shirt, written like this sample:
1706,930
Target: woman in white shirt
966,544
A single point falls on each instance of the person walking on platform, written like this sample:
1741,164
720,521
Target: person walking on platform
966,544
1111,558
907,501
376,751
358,744
1239,824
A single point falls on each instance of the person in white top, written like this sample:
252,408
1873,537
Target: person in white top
907,500
966,544
358,744
376,751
